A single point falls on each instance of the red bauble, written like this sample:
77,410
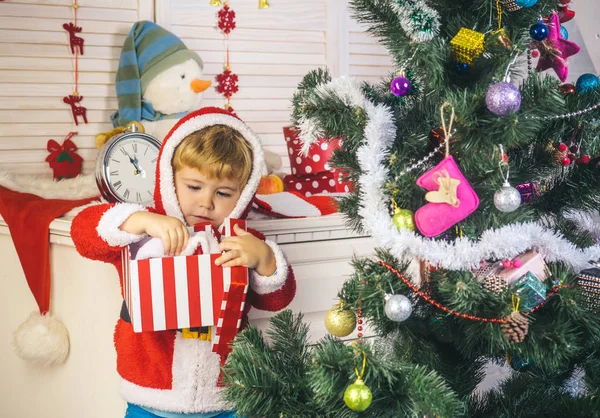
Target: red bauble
583,160
567,89
566,161
226,19
535,53
562,147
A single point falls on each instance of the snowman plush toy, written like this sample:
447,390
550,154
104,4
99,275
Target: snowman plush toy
160,80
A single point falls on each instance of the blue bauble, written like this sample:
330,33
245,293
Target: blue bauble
525,3
462,67
564,32
587,82
539,31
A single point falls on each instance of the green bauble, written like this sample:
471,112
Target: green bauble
358,396
403,219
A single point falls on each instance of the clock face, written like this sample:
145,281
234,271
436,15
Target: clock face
130,168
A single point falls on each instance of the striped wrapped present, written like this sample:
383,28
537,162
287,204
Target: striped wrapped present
186,292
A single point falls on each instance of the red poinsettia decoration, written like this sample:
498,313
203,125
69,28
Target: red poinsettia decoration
227,83
63,159
226,19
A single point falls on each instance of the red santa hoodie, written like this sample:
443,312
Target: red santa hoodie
161,369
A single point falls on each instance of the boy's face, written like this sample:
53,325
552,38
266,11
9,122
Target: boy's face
204,199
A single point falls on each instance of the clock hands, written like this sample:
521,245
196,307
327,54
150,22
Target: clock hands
137,170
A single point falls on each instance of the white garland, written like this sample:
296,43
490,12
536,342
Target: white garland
462,254
408,10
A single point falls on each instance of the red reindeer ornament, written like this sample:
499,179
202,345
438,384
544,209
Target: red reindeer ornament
76,41
72,100
63,159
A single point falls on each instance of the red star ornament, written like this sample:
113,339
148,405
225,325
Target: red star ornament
555,50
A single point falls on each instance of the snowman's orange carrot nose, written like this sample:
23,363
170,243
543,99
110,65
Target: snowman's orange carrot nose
199,85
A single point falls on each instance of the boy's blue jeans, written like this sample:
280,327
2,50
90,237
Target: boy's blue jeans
134,411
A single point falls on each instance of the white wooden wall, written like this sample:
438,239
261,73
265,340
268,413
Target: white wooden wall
271,50
36,72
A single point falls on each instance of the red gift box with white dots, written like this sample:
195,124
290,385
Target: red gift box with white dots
318,155
310,184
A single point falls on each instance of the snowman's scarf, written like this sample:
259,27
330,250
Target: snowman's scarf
145,112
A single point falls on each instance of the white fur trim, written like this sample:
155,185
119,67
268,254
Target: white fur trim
269,284
154,248
194,386
108,227
462,254
80,187
167,179
42,340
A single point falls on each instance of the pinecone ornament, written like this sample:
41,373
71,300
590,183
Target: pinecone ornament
515,328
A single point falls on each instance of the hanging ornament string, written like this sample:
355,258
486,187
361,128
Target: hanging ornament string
499,11
515,302
364,362
438,305
446,143
503,162
447,131
76,45
227,82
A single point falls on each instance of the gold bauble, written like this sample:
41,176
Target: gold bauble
340,322
404,219
358,396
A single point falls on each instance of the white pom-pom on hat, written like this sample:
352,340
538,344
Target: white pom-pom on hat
42,340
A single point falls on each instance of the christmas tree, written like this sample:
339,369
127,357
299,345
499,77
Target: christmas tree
479,177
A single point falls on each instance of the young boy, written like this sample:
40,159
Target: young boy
209,168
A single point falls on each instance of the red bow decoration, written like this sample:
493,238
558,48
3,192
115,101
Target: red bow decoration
63,159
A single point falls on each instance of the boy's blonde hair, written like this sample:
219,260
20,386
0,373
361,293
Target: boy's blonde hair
218,151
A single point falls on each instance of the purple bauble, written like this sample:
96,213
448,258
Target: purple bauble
400,86
503,99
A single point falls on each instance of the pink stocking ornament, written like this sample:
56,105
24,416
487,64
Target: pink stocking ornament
451,198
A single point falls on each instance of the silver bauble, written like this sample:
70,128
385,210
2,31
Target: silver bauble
507,199
397,307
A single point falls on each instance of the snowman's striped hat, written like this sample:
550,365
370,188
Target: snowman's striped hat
148,51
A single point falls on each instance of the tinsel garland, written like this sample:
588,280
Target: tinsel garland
462,254
420,22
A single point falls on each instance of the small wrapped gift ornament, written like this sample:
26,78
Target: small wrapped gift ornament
467,45
530,262
319,183
530,290
589,282
63,159
528,191
318,156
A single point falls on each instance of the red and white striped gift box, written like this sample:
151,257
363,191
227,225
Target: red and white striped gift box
184,291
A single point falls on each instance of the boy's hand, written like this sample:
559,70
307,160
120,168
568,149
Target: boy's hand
248,251
172,232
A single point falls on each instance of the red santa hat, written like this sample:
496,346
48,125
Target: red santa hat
42,338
